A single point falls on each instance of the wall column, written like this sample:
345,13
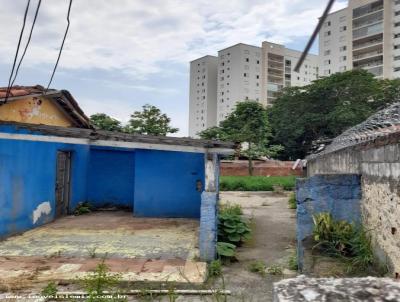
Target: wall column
209,209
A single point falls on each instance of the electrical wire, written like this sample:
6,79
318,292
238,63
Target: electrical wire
62,46
314,35
17,51
27,43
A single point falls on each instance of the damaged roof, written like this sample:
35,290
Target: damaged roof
61,97
111,136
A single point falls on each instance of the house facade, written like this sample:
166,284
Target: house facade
47,170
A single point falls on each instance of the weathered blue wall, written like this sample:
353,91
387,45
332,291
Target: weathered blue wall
27,178
111,177
165,183
339,195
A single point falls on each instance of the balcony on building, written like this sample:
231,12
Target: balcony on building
368,9
366,31
368,43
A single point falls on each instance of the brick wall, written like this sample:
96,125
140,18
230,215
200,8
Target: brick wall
261,168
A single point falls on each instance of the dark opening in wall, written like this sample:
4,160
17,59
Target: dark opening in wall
394,231
397,275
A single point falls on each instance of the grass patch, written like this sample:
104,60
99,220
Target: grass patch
256,183
258,267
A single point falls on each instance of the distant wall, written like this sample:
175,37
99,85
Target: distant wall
166,183
111,177
261,168
378,163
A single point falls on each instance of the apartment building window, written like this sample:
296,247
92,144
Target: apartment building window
342,38
246,52
396,58
245,74
397,2
247,59
342,48
396,69
221,78
327,43
342,19
327,23
397,24
257,77
342,58
327,52
258,61
397,46
327,62
222,71
342,68
327,33
246,67
247,98
397,36
223,63
327,72
343,28
397,13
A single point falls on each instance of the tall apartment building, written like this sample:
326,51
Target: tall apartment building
242,72
366,35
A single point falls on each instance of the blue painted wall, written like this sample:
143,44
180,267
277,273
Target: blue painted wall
111,177
338,194
165,183
27,178
156,183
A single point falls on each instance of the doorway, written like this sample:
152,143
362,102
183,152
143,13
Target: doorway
63,182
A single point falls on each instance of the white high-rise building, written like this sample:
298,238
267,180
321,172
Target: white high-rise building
242,72
366,35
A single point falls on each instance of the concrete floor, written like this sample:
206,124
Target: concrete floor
138,248
115,234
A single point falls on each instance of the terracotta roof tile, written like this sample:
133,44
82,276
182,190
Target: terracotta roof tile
22,90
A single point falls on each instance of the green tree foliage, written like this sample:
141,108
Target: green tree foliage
247,124
326,108
103,121
150,121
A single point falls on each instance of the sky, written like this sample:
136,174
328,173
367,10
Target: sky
122,54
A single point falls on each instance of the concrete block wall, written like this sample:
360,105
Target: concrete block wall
338,194
378,164
208,226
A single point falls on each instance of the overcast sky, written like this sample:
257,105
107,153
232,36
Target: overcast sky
121,54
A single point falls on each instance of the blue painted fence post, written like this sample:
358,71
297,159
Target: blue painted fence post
209,209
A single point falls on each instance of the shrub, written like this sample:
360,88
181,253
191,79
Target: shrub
339,238
292,201
232,226
226,250
215,268
258,267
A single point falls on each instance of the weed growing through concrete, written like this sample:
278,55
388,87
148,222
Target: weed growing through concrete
91,251
292,201
274,270
101,285
258,267
83,208
215,268
50,290
293,263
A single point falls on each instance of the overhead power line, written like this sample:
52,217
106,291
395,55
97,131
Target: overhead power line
27,43
62,45
17,51
314,35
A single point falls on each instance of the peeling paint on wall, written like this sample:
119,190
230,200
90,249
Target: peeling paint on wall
43,209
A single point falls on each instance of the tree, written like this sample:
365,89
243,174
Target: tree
103,121
150,121
247,124
324,109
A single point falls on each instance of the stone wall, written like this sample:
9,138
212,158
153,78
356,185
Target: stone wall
378,164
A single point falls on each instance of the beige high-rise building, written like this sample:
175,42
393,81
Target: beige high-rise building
366,35
242,72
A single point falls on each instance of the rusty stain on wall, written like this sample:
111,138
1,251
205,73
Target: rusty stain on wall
34,110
